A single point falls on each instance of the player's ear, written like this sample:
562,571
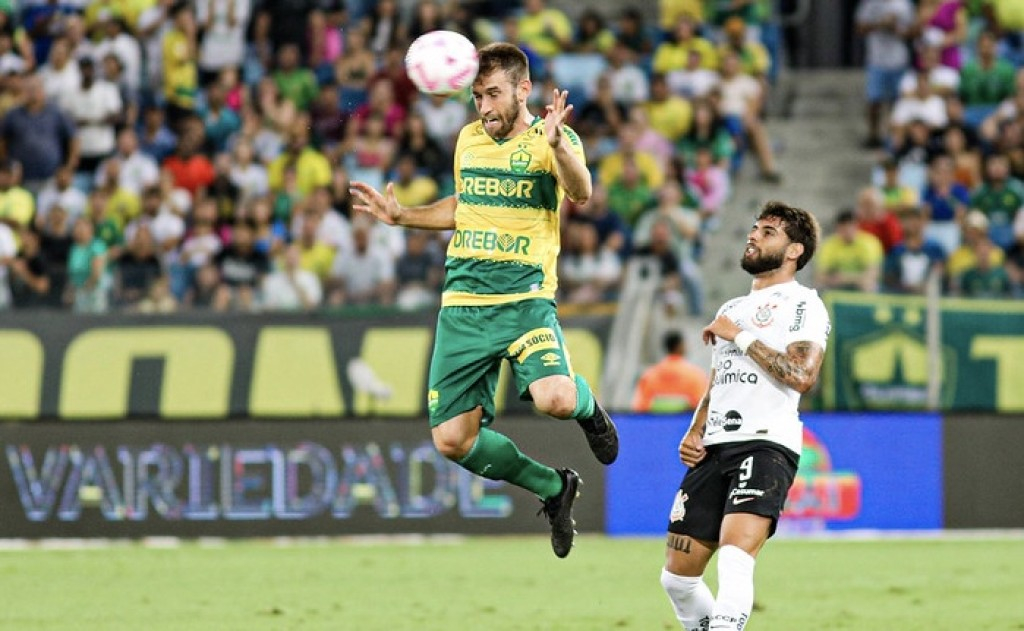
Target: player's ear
525,87
794,251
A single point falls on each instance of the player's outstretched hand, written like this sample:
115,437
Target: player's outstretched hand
720,328
691,449
557,112
368,200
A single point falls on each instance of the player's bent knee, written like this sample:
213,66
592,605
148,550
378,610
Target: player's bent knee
557,402
452,447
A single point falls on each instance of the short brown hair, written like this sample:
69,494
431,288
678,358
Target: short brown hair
507,57
799,225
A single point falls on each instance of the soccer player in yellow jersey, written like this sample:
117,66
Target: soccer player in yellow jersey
512,170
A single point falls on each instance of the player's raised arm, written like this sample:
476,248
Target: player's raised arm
572,171
439,215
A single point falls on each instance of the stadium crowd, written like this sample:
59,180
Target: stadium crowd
158,155
948,193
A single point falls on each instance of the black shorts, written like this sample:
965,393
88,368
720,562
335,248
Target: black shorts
750,477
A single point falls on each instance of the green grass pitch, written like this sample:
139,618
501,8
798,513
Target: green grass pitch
502,584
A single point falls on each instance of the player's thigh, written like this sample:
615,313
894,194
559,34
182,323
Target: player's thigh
695,519
537,349
465,365
759,479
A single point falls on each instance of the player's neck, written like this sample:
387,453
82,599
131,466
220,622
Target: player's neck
524,122
776,276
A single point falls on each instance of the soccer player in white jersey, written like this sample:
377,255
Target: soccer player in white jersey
743,445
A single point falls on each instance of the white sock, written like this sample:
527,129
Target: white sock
735,590
691,599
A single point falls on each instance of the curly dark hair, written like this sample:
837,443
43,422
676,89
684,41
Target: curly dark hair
799,225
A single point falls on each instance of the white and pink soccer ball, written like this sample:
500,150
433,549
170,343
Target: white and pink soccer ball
442,62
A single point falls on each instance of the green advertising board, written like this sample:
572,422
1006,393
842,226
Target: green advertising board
878,356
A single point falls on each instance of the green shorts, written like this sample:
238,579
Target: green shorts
471,342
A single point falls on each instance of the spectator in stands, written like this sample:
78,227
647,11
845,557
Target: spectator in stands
599,119
588,273
673,54
984,279
248,175
945,203
695,80
311,167
1000,198
166,226
709,182
412,188
291,287
741,105
921,105
136,270
17,205
945,81
372,150
60,73
669,115
137,169
612,231
754,58
629,194
59,191
430,156
328,119
190,168
242,268
916,149
850,258
591,34
985,81
220,122
418,273
30,280
942,23
633,34
155,138
892,197
202,294
442,117
708,131
912,261
180,76
87,272
38,136
118,42
976,241
966,159
294,82
885,26
222,24
684,226
612,166
545,29
364,274
333,229
672,385
629,83
660,251
315,256
383,26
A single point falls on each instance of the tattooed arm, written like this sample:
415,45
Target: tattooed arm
798,367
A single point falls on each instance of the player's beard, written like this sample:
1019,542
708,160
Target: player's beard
761,262
506,119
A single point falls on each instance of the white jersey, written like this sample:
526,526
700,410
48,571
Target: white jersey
746,402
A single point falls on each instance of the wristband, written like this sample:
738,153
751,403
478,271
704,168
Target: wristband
743,340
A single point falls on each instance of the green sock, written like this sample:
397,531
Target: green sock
496,457
584,400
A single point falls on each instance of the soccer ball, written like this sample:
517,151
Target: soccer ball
442,62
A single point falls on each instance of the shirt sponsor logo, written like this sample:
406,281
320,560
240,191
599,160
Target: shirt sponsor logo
497,186
490,241
732,421
725,375
798,322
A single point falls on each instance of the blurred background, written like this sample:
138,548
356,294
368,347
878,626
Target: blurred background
199,336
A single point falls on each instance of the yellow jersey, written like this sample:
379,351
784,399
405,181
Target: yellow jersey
506,240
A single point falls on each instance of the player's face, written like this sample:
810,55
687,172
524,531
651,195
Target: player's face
767,245
498,102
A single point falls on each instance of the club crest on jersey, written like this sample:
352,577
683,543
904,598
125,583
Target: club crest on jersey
679,507
764,315
520,159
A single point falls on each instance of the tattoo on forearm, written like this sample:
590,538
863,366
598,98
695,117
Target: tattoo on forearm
796,368
679,543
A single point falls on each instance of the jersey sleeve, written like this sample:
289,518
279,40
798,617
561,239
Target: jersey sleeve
574,142
457,160
809,321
